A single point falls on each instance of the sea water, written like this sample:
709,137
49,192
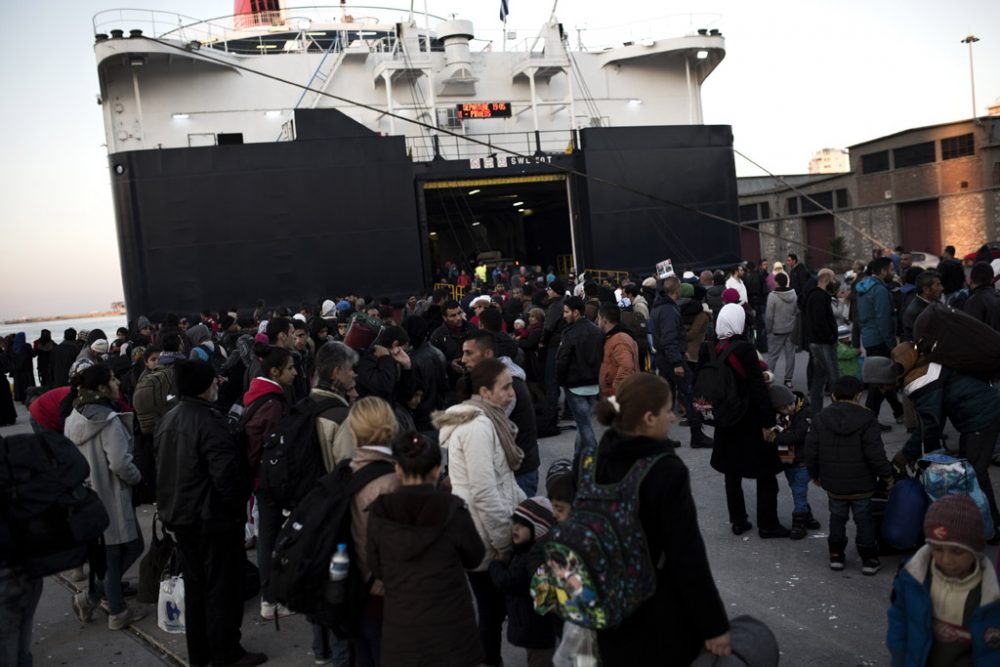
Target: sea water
33,330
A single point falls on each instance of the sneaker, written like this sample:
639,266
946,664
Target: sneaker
83,606
323,661
870,566
788,383
836,561
126,618
741,527
268,609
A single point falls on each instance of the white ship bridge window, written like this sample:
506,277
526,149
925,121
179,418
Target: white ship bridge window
448,117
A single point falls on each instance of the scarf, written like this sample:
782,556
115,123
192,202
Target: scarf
731,320
506,431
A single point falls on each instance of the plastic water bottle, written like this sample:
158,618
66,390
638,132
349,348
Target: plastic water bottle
336,587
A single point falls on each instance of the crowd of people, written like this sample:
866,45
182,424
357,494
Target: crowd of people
444,402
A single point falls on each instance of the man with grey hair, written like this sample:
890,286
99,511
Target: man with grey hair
335,384
819,329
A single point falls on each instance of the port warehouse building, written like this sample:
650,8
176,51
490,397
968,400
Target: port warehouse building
922,188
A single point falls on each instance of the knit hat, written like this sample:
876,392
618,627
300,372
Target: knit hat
730,295
879,370
780,396
328,308
687,291
99,346
535,513
343,304
955,520
193,376
558,286
519,321
649,282
198,334
142,322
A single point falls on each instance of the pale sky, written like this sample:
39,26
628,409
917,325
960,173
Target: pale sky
799,75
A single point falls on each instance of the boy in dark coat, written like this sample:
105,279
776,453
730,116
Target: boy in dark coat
790,433
530,523
844,454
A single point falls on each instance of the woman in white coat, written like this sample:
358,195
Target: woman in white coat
104,437
482,458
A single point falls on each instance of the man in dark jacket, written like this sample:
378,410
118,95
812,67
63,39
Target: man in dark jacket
670,341
928,290
482,345
755,280
578,368
430,373
63,357
386,370
798,273
952,273
449,336
551,337
202,490
844,454
877,326
984,302
819,329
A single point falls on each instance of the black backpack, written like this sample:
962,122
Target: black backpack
49,517
215,357
716,395
291,462
301,562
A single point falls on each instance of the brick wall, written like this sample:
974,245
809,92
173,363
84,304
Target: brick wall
963,222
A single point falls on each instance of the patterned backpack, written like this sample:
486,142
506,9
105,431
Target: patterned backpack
597,568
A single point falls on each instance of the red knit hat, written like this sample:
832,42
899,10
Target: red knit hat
955,520
730,295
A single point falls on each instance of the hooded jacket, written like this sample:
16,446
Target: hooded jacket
875,313
696,316
264,404
621,359
910,634
971,405
366,495
104,437
420,542
983,304
525,628
578,362
667,329
819,326
844,451
480,475
781,312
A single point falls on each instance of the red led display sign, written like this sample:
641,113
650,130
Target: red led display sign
484,110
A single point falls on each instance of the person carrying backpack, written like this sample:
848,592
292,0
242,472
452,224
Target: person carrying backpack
684,613
742,450
420,541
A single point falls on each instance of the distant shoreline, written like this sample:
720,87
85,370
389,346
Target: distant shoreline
56,318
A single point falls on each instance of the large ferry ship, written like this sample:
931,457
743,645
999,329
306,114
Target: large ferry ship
292,153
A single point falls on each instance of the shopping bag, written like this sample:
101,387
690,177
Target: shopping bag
903,525
170,610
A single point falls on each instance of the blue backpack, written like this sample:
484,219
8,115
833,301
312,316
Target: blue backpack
943,474
597,568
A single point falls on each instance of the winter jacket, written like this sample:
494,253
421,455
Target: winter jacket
450,341
525,628
819,326
952,275
984,305
686,608
150,397
797,279
735,283
740,449
62,358
46,409
578,362
875,313
910,315
756,284
621,359
795,427
669,338
104,437
361,500
910,634
523,416
383,377
480,475
641,307
844,451
848,360
971,405
264,404
420,542
554,324
696,317
202,478
329,425
781,312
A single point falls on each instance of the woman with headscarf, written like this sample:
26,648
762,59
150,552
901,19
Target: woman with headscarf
22,369
746,450
43,350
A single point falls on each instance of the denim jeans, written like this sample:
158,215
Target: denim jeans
327,646
582,407
840,511
825,372
776,344
528,482
120,559
19,595
798,482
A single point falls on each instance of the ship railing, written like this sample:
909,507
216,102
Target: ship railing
426,148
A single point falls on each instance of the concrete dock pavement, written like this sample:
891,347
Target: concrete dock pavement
820,617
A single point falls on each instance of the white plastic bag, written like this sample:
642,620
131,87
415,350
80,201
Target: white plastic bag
578,647
170,609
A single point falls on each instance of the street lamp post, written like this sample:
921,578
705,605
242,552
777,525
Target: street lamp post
971,39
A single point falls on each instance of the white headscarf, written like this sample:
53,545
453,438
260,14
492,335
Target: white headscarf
732,319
